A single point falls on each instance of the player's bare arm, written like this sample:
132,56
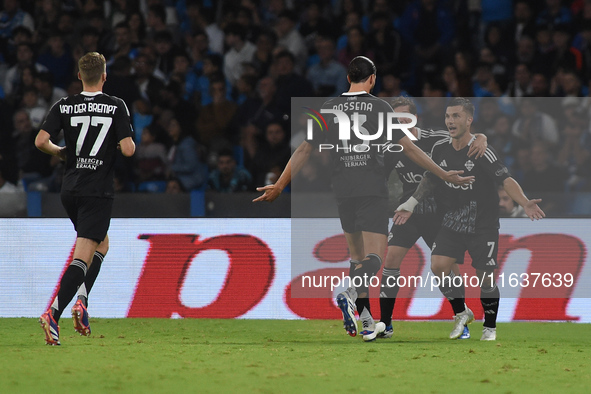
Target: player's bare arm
425,189
127,146
421,158
478,146
513,189
44,144
299,157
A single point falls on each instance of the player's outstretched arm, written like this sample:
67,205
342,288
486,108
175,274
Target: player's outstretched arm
127,146
418,156
299,157
44,144
478,146
513,189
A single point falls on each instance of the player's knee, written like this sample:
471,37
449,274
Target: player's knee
103,247
439,266
369,265
393,259
103,251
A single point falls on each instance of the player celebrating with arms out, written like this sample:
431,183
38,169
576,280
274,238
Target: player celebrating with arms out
359,184
471,218
95,126
426,220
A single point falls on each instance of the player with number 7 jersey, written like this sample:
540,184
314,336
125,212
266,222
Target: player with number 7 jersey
471,218
95,126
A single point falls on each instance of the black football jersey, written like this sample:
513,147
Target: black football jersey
410,173
473,208
357,173
93,124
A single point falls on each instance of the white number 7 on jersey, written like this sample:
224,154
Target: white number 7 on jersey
492,248
86,122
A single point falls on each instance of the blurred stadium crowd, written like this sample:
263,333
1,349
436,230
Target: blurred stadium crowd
209,82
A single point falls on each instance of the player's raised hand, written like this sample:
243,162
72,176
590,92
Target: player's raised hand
533,211
455,178
400,217
478,147
270,193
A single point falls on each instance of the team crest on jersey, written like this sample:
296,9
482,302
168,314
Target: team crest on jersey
469,165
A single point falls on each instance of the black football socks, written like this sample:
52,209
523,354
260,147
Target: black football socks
71,280
388,292
361,275
452,288
489,298
90,278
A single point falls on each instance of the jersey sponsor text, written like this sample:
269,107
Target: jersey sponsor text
88,163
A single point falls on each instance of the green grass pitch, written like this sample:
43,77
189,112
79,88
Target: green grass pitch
272,356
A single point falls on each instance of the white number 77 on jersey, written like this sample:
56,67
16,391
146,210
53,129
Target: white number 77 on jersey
86,122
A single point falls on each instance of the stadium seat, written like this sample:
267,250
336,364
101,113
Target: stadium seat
152,187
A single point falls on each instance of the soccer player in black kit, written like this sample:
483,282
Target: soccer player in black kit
95,126
426,219
359,184
471,218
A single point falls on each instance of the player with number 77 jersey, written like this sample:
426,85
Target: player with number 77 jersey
95,126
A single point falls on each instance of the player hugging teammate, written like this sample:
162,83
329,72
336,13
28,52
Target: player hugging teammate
360,189
470,217
426,220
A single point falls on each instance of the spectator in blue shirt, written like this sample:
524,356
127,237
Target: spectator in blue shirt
428,28
329,77
124,44
212,69
184,158
198,50
58,59
13,16
426,25
184,75
554,14
496,10
227,177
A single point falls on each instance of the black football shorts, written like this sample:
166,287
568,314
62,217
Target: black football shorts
483,248
367,213
91,216
418,225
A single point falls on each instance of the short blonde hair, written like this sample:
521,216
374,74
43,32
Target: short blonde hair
91,67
